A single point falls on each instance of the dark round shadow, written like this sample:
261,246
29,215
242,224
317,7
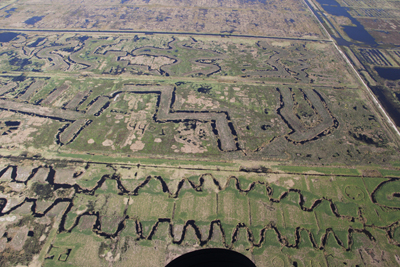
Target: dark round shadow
211,257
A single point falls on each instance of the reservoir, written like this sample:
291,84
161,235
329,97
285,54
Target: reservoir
358,32
388,73
33,20
384,97
7,36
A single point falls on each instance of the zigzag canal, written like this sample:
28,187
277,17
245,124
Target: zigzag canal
228,239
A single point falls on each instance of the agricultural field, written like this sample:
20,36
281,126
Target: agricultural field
134,132
78,213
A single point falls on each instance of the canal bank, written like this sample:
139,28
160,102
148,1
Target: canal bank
395,112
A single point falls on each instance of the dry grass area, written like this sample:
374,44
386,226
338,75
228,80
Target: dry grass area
276,18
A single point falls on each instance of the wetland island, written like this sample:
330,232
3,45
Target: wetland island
133,132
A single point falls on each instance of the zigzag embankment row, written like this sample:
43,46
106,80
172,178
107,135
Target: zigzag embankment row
220,120
216,226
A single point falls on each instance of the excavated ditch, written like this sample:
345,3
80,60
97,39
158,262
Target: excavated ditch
173,47
198,187
164,109
326,131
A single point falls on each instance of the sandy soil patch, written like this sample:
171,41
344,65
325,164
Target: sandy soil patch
90,141
8,219
20,136
289,183
202,101
191,138
103,64
137,125
138,145
107,142
119,117
192,149
19,239
281,44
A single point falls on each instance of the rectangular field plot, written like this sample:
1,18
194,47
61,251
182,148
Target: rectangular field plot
365,3
373,13
233,208
197,207
148,207
375,57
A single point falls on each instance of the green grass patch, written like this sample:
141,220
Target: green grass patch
144,161
324,170
347,209
390,173
305,241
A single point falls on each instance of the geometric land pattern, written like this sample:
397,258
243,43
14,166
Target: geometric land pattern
124,146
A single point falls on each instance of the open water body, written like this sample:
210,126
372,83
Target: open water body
385,98
7,36
358,32
9,12
33,20
38,40
389,73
